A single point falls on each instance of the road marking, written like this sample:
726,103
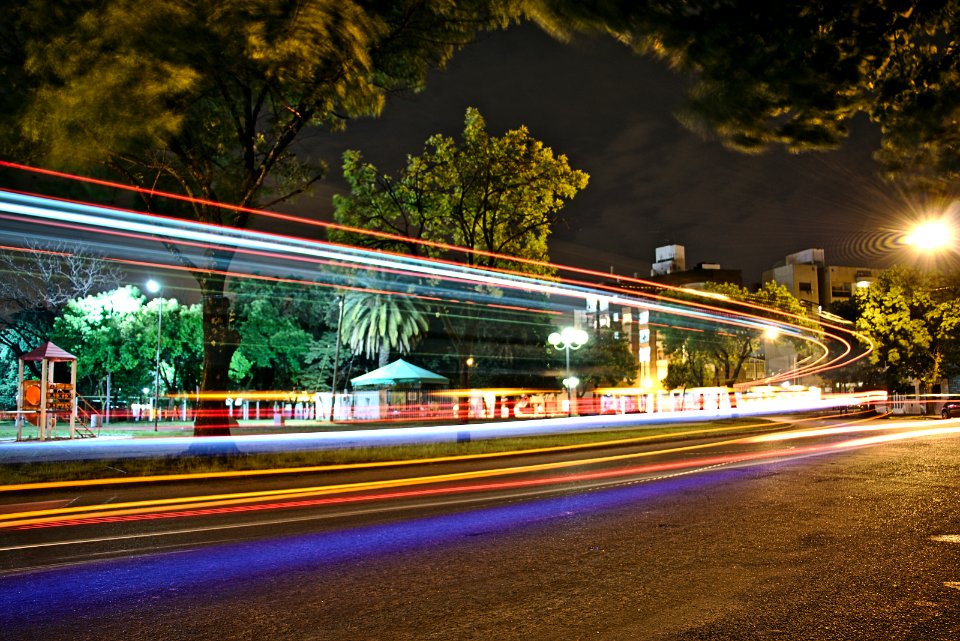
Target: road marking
952,584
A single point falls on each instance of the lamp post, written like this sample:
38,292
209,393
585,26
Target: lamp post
569,338
336,357
155,287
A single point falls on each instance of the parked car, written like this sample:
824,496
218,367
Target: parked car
950,410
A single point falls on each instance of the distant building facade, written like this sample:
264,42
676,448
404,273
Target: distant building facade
669,259
817,284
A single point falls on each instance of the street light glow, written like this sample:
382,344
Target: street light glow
930,236
153,286
566,339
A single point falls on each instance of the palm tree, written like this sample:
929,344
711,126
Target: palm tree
378,322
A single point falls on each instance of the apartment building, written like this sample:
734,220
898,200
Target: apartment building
819,285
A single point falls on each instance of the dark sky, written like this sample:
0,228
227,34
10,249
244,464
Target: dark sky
652,181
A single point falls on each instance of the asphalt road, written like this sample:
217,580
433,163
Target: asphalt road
854,544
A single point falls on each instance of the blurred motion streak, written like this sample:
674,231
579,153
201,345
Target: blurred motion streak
295,498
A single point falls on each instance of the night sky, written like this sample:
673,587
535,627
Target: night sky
652,181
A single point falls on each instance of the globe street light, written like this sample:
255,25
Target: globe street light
155,287
569,338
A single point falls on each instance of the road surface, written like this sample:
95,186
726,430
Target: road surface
839,543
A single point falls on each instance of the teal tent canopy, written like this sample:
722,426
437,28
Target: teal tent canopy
399,373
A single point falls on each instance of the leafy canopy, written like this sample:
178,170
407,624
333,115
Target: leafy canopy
913,319
377,322
207,99
796,73
115,332
713,354
605,360
497,195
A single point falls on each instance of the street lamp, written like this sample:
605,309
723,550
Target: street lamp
155,287
336,358
932,235
569,338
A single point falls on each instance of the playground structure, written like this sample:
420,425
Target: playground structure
49,400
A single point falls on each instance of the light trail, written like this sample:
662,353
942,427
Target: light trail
143,227
387,436
813,367
425,243
196,476
39,517
286,498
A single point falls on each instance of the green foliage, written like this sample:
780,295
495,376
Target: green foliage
499,196
376,323
605,361
8,378
271,340
714,355
796,73
861,373
208,99
319,362
280,328
494,195
116,332
913,319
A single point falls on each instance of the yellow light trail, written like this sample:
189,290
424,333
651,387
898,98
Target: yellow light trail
195,476
218,500
38,517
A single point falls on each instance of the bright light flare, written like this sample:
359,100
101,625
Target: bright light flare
933,235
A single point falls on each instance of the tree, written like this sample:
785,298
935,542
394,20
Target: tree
605,360
913,319
702,354
498,196
795,73
376,323
284,329
115,333
846,312
38,284
207,100
272,342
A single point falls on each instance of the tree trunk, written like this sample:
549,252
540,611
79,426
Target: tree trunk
220,341
383,357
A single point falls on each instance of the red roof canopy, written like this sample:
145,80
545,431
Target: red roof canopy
50,352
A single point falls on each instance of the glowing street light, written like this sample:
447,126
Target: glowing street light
933,235
154,287
569,338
